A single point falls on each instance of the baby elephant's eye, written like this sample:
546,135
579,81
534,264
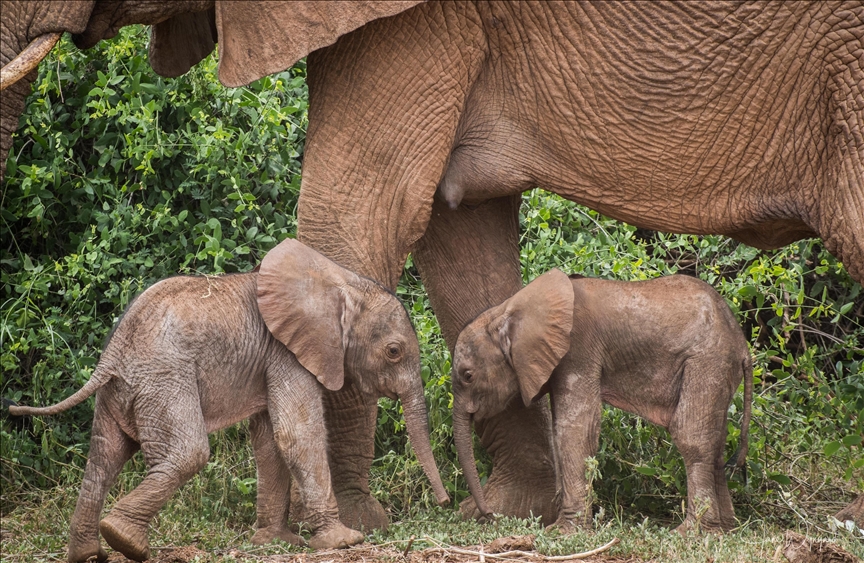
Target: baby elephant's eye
394,351
467,376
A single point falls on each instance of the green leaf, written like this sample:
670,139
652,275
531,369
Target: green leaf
851,440
831,448
747,291
780,478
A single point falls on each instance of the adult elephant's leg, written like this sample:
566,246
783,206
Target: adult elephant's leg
841,204
383,113
469,261
351,433
841,217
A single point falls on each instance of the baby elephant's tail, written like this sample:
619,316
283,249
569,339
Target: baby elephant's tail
739,458
98,379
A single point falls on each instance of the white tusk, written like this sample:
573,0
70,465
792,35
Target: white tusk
28,59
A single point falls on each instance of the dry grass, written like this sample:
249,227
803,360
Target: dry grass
37,531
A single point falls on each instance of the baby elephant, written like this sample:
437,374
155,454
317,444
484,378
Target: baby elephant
192,355
667,349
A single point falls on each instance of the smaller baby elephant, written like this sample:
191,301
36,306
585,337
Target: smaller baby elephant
667,349
192,355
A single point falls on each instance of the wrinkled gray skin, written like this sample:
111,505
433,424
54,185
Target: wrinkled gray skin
193,355
667,349
737,118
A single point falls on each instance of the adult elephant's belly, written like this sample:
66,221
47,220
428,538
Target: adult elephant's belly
674,132
676,189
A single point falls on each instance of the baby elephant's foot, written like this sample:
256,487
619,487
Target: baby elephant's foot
80,552
126,536
267,535
336,536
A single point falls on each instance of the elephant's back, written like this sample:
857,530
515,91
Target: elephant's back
684,311
193,317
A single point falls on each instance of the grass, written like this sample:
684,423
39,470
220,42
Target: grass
38,533
215,513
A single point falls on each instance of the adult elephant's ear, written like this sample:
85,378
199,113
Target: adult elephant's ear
307,304
533,330
180,42
260,38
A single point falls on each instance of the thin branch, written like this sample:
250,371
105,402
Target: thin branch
510,554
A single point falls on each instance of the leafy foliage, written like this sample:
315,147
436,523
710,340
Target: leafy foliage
114,185
120,178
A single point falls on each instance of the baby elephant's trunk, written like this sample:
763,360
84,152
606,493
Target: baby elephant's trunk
414,409
96,381
739,458
465,450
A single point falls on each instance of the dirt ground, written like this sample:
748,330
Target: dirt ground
797,549
359,554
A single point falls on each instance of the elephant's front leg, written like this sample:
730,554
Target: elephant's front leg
576,414
297,415
350,428
469,261
274,484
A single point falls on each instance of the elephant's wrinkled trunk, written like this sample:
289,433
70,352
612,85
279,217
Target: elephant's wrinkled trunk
462,434
414,408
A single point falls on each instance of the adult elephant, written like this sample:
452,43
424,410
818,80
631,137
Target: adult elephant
739,118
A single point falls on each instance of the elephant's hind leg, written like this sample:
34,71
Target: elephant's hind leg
175,448
698,430
728,521
702,500
274,485
110,448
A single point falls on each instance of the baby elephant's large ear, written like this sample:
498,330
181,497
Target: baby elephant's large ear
305,301
533,330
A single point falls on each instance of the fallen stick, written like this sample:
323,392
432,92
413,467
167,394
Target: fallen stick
510,554
408,547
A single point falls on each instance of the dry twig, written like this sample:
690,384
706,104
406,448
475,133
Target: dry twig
441,548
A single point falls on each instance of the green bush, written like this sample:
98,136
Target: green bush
116,181
119,178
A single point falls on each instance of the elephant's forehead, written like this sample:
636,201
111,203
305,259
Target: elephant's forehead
387,318
386,307
472,344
